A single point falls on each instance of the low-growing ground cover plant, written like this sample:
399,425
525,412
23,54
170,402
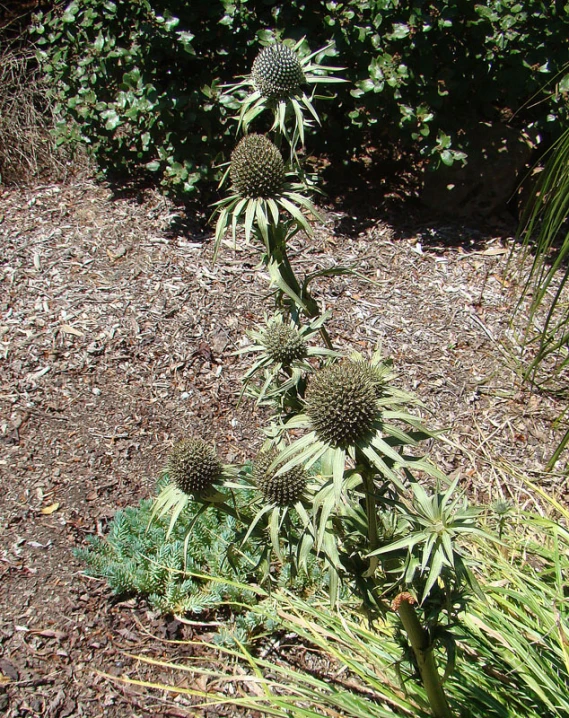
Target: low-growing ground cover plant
172,567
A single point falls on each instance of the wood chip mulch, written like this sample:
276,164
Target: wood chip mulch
117,335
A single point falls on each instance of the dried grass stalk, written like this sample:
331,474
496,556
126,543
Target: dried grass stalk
27,145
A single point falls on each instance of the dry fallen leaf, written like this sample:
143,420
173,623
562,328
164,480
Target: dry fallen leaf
47,510
494,251
71,330
50,633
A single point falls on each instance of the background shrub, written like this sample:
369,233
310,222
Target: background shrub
140,82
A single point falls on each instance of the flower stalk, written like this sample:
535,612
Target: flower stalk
278,261
423,650
371,514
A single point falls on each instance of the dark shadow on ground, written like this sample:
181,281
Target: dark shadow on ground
379,185
385,186
189,219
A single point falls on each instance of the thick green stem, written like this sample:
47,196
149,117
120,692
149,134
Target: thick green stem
277,252
371,513
423,650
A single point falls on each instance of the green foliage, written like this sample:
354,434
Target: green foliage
520,629
140,83
427,72
137,559
545,234
429,533
512,649
196,573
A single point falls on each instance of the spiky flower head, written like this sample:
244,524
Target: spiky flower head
277,72
257,168
284,343
193,466
341,402
501,507
375,373
282,489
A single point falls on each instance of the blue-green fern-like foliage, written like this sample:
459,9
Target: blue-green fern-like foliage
136,559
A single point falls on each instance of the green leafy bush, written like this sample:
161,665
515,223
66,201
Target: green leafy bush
140,82
430,71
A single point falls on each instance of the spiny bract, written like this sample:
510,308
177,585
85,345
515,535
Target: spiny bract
277,72
375,373
284,343
283,489
193,466
341,402
257,167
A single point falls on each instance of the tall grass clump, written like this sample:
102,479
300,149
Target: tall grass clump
27,146
510,659
545,234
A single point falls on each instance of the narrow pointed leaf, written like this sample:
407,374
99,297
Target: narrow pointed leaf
249,216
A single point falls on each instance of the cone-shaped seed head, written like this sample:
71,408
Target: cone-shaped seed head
341,402
284,489
193,466
277,72
284,343
257,167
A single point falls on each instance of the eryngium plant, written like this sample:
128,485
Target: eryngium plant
283,355
341,403
281,489
281,510
358,429
283,80
353,412
284,343
277,72
428,544
257,168
261,189
193,466
193,469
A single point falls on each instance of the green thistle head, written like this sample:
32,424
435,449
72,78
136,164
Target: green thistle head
277,72
257,168
501,507
193,466
376,374
283,489
284,343
341,402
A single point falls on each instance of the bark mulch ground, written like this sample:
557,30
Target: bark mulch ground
117,335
